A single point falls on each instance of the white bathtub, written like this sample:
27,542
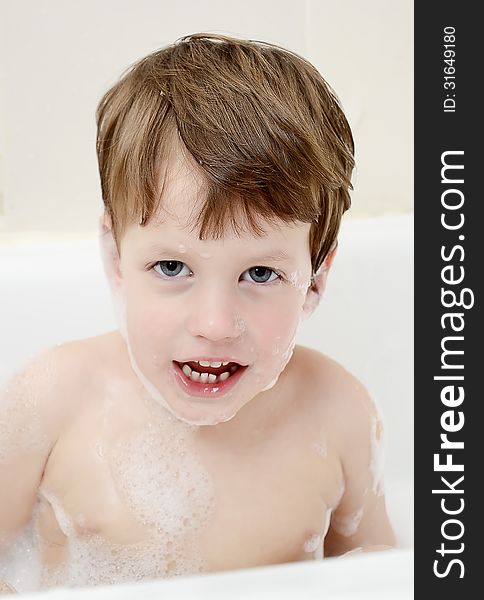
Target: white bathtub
53,292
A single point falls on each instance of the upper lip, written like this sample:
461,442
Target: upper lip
216,359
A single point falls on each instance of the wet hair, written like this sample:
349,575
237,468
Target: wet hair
261,126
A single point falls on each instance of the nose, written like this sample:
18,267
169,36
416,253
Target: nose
213,314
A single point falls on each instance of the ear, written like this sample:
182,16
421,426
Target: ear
318,283
109,252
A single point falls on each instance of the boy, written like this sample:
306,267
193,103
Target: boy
198,437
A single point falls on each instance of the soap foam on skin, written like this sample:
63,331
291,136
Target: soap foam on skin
27,436
348,526
93,561
167,490
172,492
119,304
149,387
321,448
312,543
315,543
63,520
298,281
240,325
156,395
20,566
377,455
285,357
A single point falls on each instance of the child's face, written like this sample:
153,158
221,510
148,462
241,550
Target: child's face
184,300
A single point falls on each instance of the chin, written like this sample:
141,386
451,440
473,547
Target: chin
209,408
198,417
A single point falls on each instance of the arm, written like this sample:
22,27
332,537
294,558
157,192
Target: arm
28,430
360,521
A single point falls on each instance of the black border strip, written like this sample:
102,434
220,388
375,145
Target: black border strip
448,126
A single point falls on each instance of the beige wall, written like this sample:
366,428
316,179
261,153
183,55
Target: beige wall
57,57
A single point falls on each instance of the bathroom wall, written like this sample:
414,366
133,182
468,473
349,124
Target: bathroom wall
57,57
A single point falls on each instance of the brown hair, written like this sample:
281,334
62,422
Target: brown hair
265,130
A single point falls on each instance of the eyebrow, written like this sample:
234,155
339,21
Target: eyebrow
272,256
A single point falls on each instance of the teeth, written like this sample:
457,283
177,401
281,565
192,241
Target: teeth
207,377
206,363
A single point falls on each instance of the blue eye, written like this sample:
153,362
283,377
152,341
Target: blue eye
262,274
169,268
172,268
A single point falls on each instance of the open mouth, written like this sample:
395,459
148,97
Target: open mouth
202,378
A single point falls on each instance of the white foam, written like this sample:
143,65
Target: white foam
93,561
353,551
240,325
327,522
20,421
284,356
313,543
321,448
169,493
119,307
149,387
172,483
62,518
348,525
377,461
298,281
20,566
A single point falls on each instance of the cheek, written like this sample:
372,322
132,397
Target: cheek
276,325
151,321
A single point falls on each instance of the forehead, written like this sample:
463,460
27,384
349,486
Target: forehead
182,196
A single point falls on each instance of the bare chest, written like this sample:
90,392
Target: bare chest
118,506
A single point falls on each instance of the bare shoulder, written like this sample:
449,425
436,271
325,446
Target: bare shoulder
44,388
352,426
334,394
330,380
30,415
